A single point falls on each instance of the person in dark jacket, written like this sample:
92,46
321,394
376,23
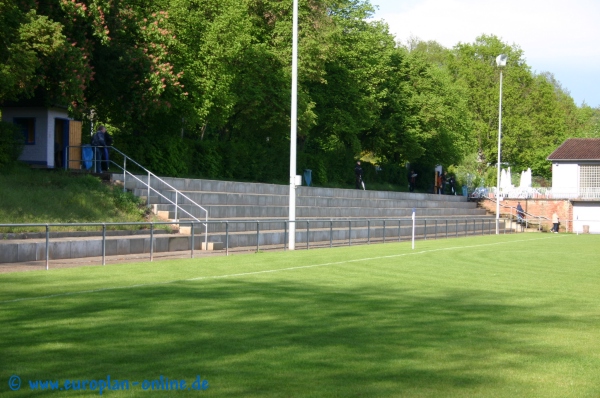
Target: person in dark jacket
520,213
358,174
102,141
452,183
444,181
412,180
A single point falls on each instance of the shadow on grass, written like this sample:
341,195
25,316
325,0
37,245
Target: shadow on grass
280,339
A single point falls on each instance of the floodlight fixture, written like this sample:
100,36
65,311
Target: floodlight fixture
501,60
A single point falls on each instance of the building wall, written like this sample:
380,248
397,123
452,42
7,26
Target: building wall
42,152
565,178
539,208
586,213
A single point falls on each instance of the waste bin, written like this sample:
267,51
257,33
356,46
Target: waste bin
465,191
87,156
308,177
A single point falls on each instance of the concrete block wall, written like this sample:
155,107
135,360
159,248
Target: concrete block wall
16,251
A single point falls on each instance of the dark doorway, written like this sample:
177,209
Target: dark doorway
61,141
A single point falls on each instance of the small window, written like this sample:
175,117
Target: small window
589,181
27,125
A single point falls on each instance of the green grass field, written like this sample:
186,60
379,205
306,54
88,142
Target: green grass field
493,316
53,196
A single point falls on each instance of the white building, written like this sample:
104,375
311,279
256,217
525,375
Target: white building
576,176
46,132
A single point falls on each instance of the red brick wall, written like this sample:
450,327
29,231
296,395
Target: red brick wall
537,207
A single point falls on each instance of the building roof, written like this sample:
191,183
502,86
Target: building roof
577,149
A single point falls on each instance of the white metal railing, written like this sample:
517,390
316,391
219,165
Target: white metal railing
178,194
537,193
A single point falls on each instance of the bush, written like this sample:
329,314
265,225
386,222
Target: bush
11,144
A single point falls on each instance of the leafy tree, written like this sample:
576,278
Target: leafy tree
11,144
111,56
31,49
588,119
537,114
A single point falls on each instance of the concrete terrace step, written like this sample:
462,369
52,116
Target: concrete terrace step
213,186
235,199
229,212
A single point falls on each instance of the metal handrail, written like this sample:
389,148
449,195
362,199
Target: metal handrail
391,224
148,185
528,216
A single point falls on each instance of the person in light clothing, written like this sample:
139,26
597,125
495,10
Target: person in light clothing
555,222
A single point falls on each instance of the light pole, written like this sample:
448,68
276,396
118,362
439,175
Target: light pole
500,62
293,117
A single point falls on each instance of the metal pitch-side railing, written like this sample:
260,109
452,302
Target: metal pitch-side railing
178,194
377,230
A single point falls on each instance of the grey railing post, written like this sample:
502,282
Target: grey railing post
456,230
307,232
435,230
446,228
399,230
369,232
425,231
285,235
466,227
148,199
176,196
193,240
227,238
124,172
349,233
103,244
330,233
47,246
206,230
257,234
383,231
151,241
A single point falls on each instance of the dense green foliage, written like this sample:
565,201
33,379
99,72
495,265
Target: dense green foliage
202,88
11,144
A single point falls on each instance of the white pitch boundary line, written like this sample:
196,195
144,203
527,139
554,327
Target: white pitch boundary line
265,271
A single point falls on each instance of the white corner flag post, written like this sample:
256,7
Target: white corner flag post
294,117
413,229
